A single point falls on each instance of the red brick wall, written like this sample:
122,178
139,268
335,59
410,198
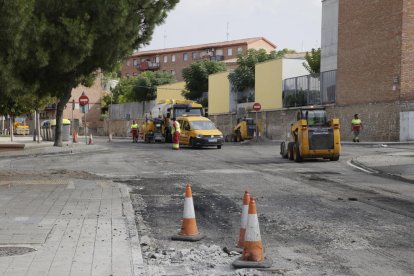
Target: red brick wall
369,50
407,58
94,94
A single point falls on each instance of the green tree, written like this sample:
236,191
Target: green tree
196,77
282,53
313,62
15,16
70,41
138,89
145,86
243,77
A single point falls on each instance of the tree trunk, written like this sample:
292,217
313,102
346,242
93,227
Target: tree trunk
38,126
11,128
34,126
59,116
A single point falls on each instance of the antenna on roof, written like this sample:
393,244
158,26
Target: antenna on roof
165,38
227,31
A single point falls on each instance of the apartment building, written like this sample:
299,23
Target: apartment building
173,60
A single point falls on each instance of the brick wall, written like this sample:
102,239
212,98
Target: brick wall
381,121
407,58
369,50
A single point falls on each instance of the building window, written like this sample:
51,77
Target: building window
135,62
239,50
172,58
157,59
185,56
196,55
230,51
128,62
165,59
173,72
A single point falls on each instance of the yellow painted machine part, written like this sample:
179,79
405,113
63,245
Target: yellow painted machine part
303,140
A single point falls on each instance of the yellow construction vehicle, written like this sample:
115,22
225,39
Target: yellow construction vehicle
152,131
244,130
313,136
170,108
20,127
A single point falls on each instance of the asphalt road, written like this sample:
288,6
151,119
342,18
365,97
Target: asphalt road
316,218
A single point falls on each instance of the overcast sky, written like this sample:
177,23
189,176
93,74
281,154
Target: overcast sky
294,24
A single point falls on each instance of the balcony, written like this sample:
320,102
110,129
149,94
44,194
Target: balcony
148,65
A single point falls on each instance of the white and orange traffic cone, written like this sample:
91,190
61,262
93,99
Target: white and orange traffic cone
244,215
75,136
252,256
90,139
189,230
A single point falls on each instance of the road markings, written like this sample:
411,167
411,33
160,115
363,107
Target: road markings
350,163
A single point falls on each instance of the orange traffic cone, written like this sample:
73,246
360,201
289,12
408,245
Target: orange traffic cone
245,210
189,230
252,256
75,136
90,139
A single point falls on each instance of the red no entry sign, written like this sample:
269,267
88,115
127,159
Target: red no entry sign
83,99
257,106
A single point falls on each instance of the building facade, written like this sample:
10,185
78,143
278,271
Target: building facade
371,46
173,60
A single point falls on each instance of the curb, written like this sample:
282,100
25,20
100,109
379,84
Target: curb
128,212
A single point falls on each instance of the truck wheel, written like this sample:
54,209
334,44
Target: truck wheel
239,137
290,150
335,158
218,146
192,143
296,153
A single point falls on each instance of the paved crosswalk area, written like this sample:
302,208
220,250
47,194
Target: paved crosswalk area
76,227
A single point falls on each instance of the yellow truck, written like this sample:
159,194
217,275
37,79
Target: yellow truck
167,109
312,136
20,127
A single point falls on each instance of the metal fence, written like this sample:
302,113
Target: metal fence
309,90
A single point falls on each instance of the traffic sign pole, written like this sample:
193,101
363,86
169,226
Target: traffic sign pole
257,107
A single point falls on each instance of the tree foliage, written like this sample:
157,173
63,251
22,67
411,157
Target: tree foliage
313,62
145,85
243,77
71,40
282,53
138,89
196,77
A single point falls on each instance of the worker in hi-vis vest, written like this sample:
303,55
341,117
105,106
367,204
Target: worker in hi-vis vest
176,132
134,131
356,126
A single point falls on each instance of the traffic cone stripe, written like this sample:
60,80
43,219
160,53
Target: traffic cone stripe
253,248
243,224
253,229
188,208
245,211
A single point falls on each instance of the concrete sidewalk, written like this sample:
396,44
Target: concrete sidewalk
55,225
